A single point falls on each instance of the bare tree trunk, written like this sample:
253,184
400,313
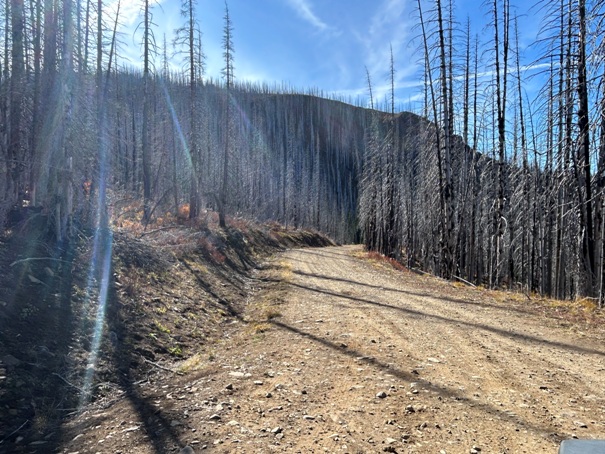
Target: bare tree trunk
228,75
145,129
369,81
36,110
588,238
193,123
16,94
447,265
501,86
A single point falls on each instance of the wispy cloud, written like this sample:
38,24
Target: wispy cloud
390,25
303,9
535,67
129,11
165,17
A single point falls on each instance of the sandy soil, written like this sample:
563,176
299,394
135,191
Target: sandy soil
337,353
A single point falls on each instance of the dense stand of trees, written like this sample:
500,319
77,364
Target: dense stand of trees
75,123
481,185
527,210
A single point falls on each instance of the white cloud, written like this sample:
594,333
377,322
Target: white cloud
129,11
390,25
165,17
303,9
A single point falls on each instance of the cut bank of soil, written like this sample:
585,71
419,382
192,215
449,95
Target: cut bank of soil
83,323
336,353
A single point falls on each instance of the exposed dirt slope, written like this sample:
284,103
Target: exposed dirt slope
170,294
336,353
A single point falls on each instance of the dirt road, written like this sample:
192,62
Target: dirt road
340,354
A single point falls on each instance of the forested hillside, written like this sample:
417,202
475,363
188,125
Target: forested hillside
481,185
292,158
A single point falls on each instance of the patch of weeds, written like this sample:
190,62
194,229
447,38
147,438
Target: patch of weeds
176,350
503,296
161,328
161,310
377,257
240,224
359,254
191,364
286,270
588,305
132,285
197,266
41,420
196,334
78,292
260,328
209,248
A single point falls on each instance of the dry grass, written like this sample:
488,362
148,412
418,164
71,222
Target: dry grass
259,328
507,296
197,266
581,310
237,223
379,258
191,364
285,270
269,313
588,305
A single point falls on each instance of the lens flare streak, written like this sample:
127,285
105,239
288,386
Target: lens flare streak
106,240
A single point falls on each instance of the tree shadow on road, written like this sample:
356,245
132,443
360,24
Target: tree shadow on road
544,431
419,294
416,313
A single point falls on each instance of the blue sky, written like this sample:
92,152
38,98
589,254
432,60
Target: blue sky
323,44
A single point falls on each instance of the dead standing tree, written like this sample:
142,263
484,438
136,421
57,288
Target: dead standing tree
228,76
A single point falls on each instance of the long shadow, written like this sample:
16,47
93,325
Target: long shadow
323,251
208,289
36,328
424,294
510,334
410,377
155,423
455,300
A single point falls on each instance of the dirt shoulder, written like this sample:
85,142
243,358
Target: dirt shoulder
336,353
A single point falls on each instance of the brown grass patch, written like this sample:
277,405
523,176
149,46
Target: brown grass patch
270,313
377,257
